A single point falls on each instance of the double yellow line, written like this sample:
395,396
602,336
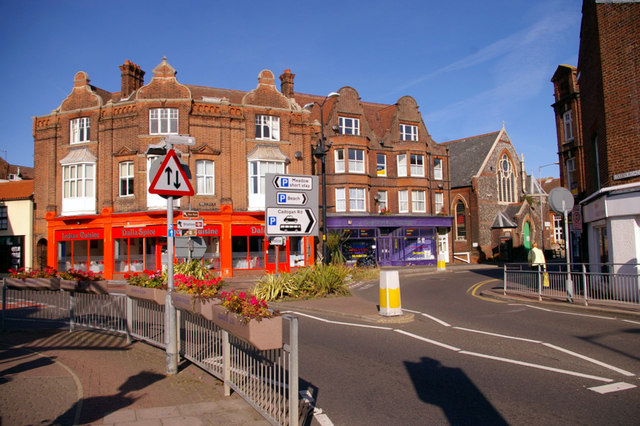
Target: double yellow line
474,288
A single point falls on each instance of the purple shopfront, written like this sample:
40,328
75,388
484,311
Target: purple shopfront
392,240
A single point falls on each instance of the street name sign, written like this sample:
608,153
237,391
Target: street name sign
171,178
190,214
190,224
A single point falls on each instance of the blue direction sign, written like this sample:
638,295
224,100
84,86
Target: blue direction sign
291,205
292,198
293,182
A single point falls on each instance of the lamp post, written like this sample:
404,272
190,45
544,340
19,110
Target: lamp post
320,151
542,198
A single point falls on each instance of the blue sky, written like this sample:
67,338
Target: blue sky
471,65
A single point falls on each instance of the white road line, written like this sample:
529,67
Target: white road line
561,312
586,358
424,339
613,387
377,327
498,335
538,366
439,321
632,322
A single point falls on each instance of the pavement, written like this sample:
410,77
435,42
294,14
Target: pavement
50,376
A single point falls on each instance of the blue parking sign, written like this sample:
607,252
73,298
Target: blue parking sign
282,198
272,221
284,182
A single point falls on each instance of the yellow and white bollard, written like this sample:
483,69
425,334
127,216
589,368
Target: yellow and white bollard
442,265
390,293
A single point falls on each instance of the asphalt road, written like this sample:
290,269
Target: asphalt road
465,359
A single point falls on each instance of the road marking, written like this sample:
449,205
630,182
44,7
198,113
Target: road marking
561,312
424,339
538,366
498,335
632,322
439,321
613,387
586,358
476,286
377,327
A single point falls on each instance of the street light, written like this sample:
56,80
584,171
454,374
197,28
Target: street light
542,198
320,151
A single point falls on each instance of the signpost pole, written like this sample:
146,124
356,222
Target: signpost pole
171,320
567,253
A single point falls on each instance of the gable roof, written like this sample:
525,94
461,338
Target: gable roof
18,190
467,156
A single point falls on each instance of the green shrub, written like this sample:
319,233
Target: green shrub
194,268
316,281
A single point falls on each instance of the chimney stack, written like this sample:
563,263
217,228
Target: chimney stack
132,78
286,86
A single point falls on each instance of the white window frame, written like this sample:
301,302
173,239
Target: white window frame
558,231
163,121
408,132
570,166
357,200
79,130
381,166
338,156
567,121
349,126
437,168
418,201
126,171
205,177
256,171
439,202
403,201
383,203
402,165
341,200
417,167
356,160
267,127
79,188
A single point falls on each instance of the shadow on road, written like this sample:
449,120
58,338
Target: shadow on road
451,390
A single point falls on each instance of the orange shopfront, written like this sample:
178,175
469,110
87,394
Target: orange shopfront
116,244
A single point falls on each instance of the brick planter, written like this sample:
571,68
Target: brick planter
34,283
156,295
265,334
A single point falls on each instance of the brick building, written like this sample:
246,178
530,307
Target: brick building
93,155
488,182
602,162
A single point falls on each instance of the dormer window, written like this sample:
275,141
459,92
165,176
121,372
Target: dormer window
80,130
408,132
163,121
267,127
349,126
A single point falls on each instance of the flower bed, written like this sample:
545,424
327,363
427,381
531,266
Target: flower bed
147,285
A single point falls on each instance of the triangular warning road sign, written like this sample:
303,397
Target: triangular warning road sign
171,179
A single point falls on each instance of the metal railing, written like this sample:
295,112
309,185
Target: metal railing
267,380
587,283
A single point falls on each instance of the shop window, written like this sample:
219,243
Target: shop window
81,255
247,252
296,251
267,127
212,254
126,178
79,128
138,254
163,121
